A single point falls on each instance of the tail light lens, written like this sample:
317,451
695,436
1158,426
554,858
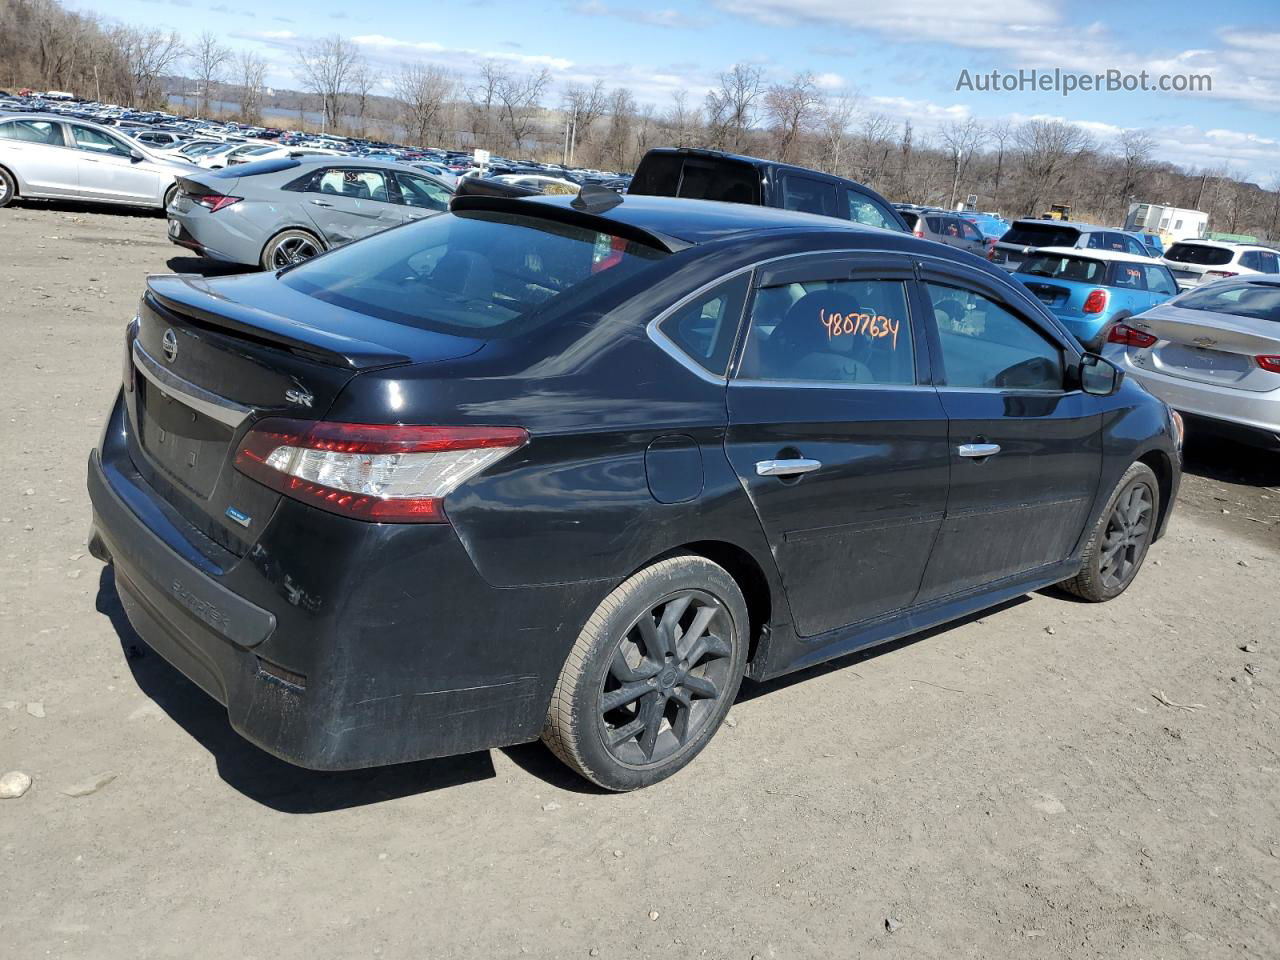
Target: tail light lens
1221,273
1130,337
918,232
130,335
213,202
1096,301
1269,362
377,472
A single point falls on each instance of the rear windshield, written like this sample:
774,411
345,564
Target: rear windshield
474,274
911,218
1261,301
1045,234
1059,267
698,178
1199,253
253,169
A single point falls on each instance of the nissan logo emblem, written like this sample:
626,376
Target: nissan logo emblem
169,343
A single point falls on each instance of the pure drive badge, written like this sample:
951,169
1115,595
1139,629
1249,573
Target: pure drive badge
241,518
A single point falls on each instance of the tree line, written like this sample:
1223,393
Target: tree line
1016,169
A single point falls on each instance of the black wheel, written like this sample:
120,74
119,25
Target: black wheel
1118,545
652,675
8,188
289,247
168,197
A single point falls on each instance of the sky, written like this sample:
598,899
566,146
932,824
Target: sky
902,58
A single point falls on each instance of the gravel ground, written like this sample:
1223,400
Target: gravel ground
1052,779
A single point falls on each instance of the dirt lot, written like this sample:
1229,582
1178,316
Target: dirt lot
1052,779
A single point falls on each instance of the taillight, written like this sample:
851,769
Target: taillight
379,472
918,233
1269,362
130,335
1121,333
1221,273
1096,301
213,202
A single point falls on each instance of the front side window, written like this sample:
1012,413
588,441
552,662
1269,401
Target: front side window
863,209
839,332
985,346
475,274
32,131
705,328
94,142
423,193
970,231
1160,280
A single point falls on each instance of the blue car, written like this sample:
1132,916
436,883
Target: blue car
989,225
1092,290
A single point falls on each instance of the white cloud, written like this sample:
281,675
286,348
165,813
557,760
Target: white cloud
665,17
391,47
829,81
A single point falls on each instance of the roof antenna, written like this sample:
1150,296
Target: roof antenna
595,198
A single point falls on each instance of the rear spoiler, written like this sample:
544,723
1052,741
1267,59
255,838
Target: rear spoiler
532,205
186,298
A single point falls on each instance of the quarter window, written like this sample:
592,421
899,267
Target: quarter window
705,329
845,331
985,346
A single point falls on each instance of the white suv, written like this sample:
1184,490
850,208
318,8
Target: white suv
1203,261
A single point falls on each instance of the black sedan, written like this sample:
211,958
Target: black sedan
572,469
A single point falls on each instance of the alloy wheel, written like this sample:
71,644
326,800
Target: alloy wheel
666,678
1126,536
293,250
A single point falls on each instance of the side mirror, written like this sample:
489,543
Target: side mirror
1099,377
135,156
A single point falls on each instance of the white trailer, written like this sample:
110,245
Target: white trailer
1171,223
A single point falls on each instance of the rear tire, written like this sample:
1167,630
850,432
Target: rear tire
8,188
168,198
652,674
289,247
1120,539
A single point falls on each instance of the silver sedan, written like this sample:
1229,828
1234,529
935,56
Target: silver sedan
1212,352
281,210
47,157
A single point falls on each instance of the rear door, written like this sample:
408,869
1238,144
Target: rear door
838,437
347,203
1023,445
108,171
41,156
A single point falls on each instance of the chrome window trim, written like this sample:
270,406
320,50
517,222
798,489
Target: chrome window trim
196,397
673,349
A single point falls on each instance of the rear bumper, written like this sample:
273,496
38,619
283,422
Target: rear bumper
1248,412
336,644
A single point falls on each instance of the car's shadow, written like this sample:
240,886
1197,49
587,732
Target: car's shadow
205,267
1229,461
81,206
255,773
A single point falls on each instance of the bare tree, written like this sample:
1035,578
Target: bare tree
617,144
835,117
731,108
1135,149
790,109
252,70
999,134
582,107
425,92
681,121
327,69
209,60
148,55
874,144
364,80
482,98
520,98
1049,151
961,139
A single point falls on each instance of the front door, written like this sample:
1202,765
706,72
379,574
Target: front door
837,436
348,203
108,171
1024,447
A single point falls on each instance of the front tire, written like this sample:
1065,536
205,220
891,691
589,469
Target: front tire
652,674
1120,539
8,188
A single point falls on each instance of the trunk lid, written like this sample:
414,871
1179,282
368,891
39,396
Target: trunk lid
206,366
1209,347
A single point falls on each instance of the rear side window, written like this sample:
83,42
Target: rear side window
1045,234
1128,276
1251,259
1058,267
1200,254
33,131
705,328
836,332
474,274
1260,301
809,195
985,346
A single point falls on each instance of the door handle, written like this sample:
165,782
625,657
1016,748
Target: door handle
786,468
979,449
322,203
